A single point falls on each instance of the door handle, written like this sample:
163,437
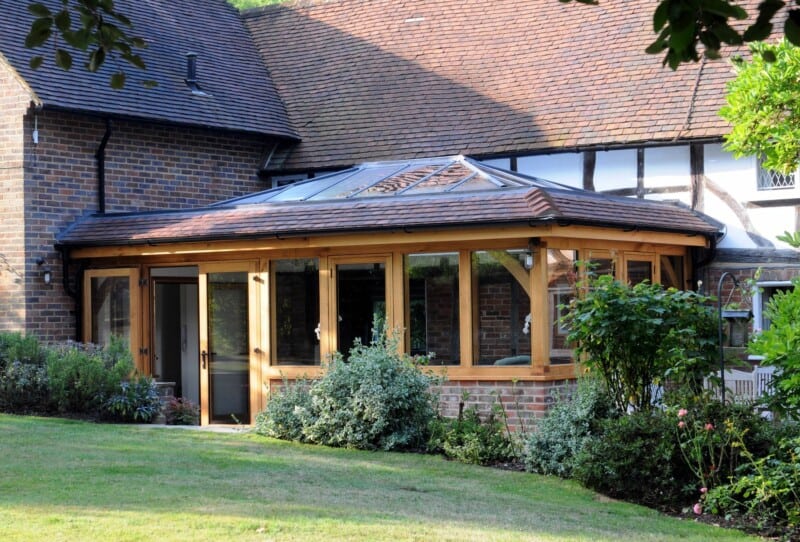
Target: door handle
204,357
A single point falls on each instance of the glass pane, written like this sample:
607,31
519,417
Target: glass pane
361,301
296,302
561,278
600,266
672,272
111,309
432,305
639,271
229,347
502,308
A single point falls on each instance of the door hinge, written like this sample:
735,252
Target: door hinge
142,282
143,351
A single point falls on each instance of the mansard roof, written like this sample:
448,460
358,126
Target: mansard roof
239,93
449,192
364,80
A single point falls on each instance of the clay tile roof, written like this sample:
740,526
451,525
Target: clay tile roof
239,92
496,198
367,80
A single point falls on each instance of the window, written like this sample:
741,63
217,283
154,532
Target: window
761,296
501,308
672,275
432,306
295,322
639,271
561,280
773,180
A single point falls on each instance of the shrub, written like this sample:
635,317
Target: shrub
780,346
766,490
83,377
181,411
23,375
561,435
636,458
471,440
17,347
377,399
286,412
635,336
24,387
135,400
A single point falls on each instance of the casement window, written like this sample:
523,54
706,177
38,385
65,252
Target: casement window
111,298
773,180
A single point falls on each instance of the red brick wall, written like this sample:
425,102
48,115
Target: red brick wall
148,167
524,402
14,100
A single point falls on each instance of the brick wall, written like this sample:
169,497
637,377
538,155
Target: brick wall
14,100
524,402
148,167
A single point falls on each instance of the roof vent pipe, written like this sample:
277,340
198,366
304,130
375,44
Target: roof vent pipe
191,69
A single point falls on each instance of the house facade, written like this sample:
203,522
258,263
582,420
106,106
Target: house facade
300,91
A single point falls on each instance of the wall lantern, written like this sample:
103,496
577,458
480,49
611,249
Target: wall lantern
47,273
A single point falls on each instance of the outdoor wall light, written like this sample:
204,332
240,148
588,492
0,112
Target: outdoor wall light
47,273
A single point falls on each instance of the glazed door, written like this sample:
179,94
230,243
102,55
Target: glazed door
228,328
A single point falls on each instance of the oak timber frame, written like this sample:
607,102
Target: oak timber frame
254,257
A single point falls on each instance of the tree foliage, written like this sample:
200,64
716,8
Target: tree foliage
764,106
93,27
637,336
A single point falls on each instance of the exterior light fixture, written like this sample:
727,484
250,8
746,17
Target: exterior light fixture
47,273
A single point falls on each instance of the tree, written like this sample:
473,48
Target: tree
764,106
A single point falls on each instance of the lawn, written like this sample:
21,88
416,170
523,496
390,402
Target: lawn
70,480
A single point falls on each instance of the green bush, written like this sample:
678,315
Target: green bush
135,400
181,411
765,491
568,425
780,346
24,387
377,399
286,412
636,458
637,336
83,377
17,347
23,375
471,440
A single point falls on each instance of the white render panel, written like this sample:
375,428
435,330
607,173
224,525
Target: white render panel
614,170
683,197
736,234
565,167
774,221
502,163
667,166
736,176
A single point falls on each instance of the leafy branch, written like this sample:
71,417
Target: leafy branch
100,31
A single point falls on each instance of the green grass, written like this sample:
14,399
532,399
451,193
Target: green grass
69,480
